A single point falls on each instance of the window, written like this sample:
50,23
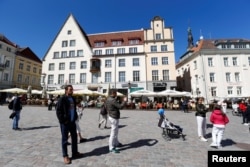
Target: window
83,64
195,64
63,54
64,43
56,55
6,77
27,80
34,69
121,62
61,66
51,66
108,77
155,76
237,77
249,61
165,75
122,77
20,66
133,50
82,77
71,78
28,68
50,79
228,77
98,52
136,62
7,64
164,60
108,63
20,78
238,90
61,79
164,48
153,48
213,91
109,51
157,36
120,50
210,62
196,80
229,90
154,61
72,65
116,43
72,43
99,44
136,75
71,53
225,60
33,80
235,63
69,32
79,53
134,41
211,77
94,78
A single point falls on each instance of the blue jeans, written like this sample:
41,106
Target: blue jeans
16,120
65,130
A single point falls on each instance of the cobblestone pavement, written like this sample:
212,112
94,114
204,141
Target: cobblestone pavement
39,142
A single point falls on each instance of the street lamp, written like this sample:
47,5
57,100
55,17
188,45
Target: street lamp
43,85
129,86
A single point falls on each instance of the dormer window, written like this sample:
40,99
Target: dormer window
116,42
157,36
99,44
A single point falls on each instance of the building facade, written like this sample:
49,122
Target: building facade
215,69
19,67
125,60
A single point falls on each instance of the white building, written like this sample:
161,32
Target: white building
215,69
116,59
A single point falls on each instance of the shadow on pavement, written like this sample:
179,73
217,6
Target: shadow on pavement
38,127
227,142
96,138
139,143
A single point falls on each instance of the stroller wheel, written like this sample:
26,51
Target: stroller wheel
183,137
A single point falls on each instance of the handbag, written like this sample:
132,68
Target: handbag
12,115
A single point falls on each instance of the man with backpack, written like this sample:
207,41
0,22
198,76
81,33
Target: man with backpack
104,116
17,107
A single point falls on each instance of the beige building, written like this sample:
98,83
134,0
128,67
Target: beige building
19,67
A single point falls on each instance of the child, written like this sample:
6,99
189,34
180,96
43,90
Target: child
219,120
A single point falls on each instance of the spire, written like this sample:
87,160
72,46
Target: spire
190,38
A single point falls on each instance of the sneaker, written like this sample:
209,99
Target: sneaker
99,125
66,160
203,139
213,145
246,124
114,150
219,147
105,127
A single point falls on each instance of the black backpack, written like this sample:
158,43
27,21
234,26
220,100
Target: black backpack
11,104
103,110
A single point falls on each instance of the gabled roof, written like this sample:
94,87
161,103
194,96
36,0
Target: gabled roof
81,29
28,53
7,41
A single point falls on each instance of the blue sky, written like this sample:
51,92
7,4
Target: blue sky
35,23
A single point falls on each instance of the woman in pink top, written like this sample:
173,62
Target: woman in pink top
219,120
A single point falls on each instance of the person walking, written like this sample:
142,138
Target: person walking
201,119
80,109
113,108
67,116
103,116
219,120
17,107
243,109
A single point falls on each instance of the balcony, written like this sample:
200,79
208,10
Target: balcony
95,65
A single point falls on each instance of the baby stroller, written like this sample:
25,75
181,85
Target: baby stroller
169,130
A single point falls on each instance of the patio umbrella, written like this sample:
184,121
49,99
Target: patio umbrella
37,92
170,93
86,92
118,94
146,93
57,92
14,90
